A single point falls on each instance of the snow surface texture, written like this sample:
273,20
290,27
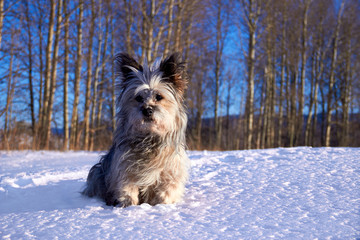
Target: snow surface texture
294,193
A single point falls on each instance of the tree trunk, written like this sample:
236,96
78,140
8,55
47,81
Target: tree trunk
269,76
178,27
47,75
254,10
262,122
150,36
200,109
33,127
218,56
273,99
288,100
332,77
170,27
312,94
103,71
10,90
88,79
228,144
95,86
129,20
346,94
1,18
74,118
303,72
157,32
187,38
113,96
53,74
41,67
320,56
282,80
292,120
66,77
313,130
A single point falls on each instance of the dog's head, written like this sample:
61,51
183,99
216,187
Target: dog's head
151,98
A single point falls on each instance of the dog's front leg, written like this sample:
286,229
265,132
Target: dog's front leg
129,195
122,195
168,193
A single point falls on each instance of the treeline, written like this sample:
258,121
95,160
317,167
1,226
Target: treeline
263,73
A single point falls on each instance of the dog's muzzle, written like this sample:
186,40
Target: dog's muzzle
147,111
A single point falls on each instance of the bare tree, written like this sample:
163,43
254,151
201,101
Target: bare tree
53,74
30,59
89,78
318,58
180,6
113,96
103,69
332,77
170,27
1,18
74,118
39,125
46,100
252,11
220,38
306,5
282,78
10,92
66,76
129,21
96,81
268,131
347,84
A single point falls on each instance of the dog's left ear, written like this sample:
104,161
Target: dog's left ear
123,64
174,72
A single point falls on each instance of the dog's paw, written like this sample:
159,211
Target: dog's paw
126,201
112,202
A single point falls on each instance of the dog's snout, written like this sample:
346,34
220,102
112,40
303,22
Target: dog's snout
147,111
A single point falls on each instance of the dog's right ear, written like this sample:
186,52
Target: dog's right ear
174,72
123,64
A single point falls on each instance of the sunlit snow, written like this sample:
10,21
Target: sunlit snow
286,193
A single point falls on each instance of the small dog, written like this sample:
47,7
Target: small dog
147,162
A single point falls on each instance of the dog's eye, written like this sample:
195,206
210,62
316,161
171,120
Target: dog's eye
158,97
139,99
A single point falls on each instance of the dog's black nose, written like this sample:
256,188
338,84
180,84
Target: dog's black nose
148,111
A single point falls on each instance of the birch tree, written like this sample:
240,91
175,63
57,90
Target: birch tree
89,77
48,62
1,18
332,77
66,75
53,74
30,60
252,11
78,65
306,5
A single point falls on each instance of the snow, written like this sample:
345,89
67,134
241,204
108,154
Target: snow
285,193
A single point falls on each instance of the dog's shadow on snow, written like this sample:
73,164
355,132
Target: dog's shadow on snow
61,195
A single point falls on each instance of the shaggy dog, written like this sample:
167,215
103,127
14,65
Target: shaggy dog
147,162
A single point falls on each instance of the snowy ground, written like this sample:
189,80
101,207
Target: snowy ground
295,193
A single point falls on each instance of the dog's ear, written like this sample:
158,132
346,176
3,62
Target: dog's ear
123,64
174,72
